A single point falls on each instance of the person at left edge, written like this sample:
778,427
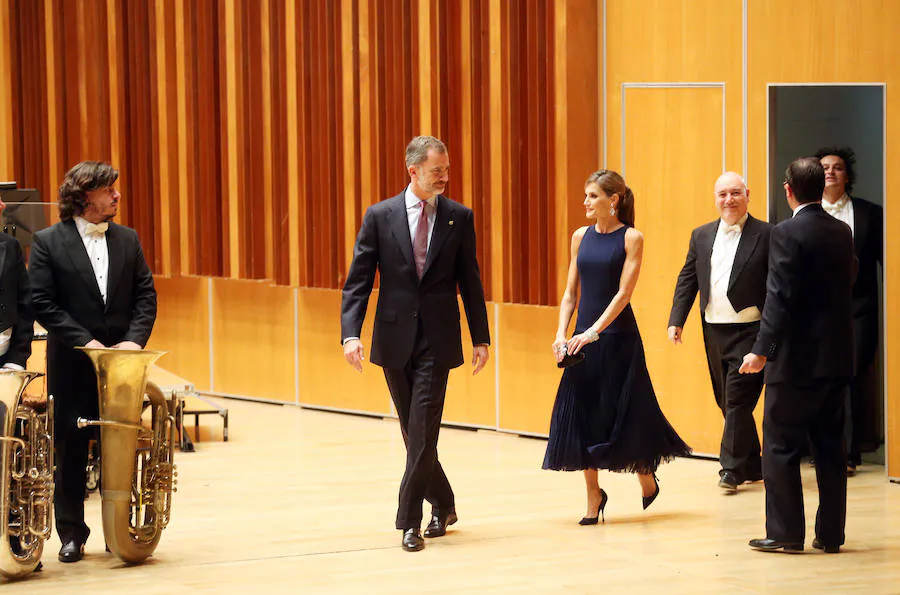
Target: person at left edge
91,287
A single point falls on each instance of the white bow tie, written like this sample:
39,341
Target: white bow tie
96,229
731,229
833,208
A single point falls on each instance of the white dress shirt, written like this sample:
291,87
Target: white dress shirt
98,253
841,209
5,338
413,213
719,309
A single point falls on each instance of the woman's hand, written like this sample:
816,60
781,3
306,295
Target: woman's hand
559,347
575,344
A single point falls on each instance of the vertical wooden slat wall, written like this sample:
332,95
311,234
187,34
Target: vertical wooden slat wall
252,134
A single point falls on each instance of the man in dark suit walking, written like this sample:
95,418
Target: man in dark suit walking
727,262
91,287
423,245
805,343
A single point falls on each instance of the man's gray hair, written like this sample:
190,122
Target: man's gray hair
417,149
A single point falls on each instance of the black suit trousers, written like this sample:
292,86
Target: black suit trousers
79,400
791,414
418,391
736,395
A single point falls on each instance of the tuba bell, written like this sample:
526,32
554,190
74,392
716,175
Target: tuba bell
137,473
26,475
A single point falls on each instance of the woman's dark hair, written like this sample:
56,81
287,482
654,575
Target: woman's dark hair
81,179
612,183
847,155
806,177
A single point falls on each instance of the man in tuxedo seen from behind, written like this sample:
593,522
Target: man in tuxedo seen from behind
805,343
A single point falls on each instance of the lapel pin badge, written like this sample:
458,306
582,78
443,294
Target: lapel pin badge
451,222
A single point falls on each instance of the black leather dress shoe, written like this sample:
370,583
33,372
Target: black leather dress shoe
771,545
438,526
412,540
71,551
828,549
729,482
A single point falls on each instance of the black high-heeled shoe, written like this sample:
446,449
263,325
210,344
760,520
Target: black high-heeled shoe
648,500
592,520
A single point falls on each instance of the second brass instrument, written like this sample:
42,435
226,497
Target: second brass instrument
26,475
137,472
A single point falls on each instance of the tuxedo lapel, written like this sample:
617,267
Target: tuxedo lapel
442,222
78,254
2,256
705,240
860,225
746,246
116,250
399,225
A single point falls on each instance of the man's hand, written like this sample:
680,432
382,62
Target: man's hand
354,354
127,345
752,364
480,357
675,334
95,344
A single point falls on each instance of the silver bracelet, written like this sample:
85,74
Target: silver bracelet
591,335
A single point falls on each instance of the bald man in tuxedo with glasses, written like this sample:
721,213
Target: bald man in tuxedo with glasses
423,245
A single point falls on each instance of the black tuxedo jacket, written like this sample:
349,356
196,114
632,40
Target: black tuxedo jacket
15,302
868,221
68,303
806,330
384,244
747,284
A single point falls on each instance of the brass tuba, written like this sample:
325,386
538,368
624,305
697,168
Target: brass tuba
26,475
137,473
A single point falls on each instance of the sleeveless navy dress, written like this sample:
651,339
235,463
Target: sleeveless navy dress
606,415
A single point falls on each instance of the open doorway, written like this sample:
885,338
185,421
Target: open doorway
803,119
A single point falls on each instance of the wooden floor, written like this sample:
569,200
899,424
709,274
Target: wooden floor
303,502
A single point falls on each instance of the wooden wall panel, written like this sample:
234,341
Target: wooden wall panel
781,53
528,373
251,135
182,328
470,398
661,127
325,379
253,339
664,41
7,102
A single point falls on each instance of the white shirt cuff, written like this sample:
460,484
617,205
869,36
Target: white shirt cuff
12,366
344,342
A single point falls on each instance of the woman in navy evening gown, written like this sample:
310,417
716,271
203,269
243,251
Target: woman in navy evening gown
606,415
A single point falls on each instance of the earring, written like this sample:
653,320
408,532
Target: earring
612,211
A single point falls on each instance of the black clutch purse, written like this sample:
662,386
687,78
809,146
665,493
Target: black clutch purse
570,360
